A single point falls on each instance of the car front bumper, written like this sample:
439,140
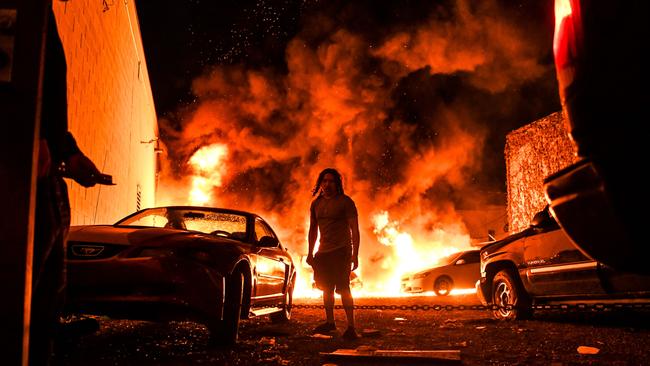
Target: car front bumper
482,292
146,287
412,286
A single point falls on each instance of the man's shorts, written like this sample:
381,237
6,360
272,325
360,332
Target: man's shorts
332,269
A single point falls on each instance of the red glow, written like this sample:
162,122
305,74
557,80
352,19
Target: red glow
568,32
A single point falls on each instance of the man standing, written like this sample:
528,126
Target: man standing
58,155
334,215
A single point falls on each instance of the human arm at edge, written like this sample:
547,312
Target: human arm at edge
354,228
312,236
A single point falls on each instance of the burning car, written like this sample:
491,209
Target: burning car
212,265
541,265
459,270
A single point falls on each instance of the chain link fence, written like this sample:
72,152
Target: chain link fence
439,307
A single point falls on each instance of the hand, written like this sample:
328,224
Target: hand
355,262
310,260
82,170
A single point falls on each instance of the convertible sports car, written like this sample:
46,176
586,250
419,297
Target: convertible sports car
211,265
459,270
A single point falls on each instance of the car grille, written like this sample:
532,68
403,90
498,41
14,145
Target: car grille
89,251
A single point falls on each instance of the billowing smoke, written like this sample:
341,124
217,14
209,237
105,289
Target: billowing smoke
396,111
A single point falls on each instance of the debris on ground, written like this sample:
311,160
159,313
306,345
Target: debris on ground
371,354
370,332
586,350
267,341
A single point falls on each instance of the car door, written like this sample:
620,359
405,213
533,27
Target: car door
621,283
271,264
468,270
555,267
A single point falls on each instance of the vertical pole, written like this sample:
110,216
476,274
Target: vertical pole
22,32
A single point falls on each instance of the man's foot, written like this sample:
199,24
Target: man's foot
350,334
325,328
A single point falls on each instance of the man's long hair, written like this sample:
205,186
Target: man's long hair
337,180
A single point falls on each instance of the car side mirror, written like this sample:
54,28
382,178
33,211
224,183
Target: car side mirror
460,261
268,242
541,219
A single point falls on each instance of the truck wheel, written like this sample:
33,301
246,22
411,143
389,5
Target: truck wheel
443,286
508,291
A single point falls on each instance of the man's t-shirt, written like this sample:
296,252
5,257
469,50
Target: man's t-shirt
332,216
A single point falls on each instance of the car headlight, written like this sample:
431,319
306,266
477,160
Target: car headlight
421,275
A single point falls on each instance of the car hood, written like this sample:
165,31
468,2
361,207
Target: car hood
138,236
494,246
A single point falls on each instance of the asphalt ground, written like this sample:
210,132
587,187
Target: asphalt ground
550,338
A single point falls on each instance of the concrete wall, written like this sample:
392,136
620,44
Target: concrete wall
532,153
111,110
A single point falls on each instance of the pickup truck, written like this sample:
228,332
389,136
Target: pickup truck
541,265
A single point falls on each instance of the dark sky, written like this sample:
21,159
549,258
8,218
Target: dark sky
184,38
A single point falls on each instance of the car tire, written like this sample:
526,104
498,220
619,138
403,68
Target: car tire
508,290
227,331
443,286
285,315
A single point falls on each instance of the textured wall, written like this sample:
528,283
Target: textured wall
532,153
111,108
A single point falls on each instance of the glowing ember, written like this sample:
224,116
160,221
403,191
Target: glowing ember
207,163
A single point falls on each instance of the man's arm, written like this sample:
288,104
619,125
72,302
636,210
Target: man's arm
313,235
353,222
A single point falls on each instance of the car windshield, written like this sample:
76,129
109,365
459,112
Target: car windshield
449,259
206,221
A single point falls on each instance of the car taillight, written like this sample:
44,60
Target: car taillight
567,41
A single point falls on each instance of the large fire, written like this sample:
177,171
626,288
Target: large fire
405,253
386,111
208,167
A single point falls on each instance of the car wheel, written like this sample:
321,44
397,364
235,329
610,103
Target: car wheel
226,332
508,291
285,314
443,286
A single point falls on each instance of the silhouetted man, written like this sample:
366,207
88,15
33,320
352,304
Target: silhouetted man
334,215
58,155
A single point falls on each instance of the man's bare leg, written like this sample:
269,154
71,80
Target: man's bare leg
328,302
348,306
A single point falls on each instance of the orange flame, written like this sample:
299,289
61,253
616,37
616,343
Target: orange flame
343,101
207,163
409,254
